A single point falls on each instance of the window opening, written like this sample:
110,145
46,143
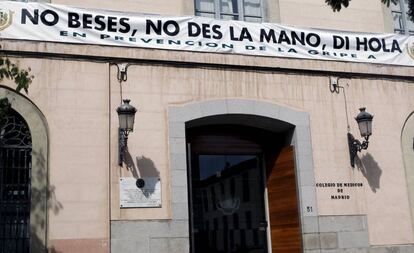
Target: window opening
246,10
401,21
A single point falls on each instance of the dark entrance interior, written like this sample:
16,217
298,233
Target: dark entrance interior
15,194
242,186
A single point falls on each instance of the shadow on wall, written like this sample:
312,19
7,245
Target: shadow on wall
130,165
370,170
144,167
38,207
147,169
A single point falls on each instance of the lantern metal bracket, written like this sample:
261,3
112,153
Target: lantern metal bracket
122,72
334,86
123,145
126,114
356,146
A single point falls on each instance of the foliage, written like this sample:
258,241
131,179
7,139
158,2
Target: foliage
337,5
21,77
11,71
410,12
388,2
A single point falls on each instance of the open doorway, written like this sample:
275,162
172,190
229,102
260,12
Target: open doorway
242,185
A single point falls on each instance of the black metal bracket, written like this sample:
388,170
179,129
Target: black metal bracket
122,72
334,86
355,146
123,143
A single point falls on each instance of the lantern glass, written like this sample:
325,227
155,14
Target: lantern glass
130,122
123,122
126,115
365,128
126,122
364,120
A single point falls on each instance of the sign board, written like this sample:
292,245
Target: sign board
148,195
58,23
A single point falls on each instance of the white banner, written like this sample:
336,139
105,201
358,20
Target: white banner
57,23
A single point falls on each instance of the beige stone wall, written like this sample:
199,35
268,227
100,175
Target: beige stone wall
361,15
79,98
73,96
146,145
161,7
384,195
272,11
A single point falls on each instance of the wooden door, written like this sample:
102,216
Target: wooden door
283,204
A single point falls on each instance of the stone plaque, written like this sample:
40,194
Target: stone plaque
143,192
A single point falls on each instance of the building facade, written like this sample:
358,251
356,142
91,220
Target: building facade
238,152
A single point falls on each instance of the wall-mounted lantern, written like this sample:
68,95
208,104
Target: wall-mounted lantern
126,115
364,120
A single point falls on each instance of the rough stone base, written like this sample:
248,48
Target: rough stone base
382,249
149,237
323,234
342,234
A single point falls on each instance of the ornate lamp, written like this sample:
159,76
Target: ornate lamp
126,115
364,120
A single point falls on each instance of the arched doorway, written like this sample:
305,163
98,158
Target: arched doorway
242,185
407,145
15,187
26,111
268,116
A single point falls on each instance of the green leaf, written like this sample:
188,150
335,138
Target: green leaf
8,63
14,71
21,77
388,2
336,5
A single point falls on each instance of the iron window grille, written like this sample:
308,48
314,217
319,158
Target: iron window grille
15,184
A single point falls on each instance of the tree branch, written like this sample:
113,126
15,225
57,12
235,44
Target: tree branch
337,5
21,77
